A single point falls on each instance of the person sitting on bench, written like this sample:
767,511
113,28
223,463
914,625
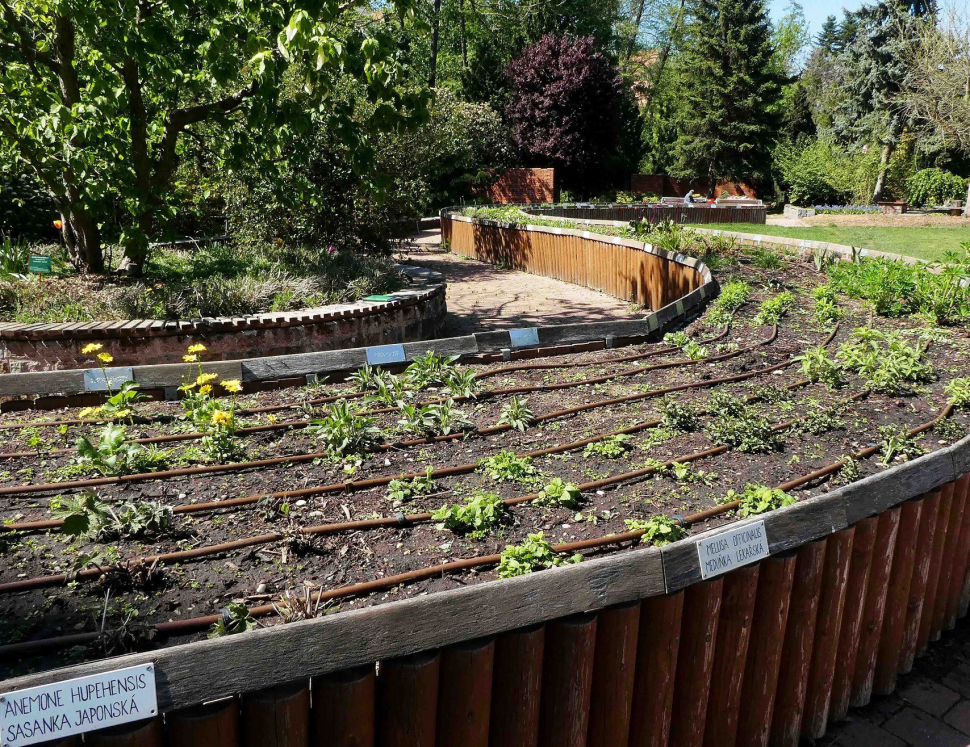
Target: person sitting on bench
689,197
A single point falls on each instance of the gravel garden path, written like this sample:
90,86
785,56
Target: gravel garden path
483,297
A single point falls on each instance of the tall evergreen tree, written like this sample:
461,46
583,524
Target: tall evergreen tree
730,89
828,37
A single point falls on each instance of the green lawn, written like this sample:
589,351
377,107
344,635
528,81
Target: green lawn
930,242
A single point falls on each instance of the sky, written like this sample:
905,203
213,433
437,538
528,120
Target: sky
815,10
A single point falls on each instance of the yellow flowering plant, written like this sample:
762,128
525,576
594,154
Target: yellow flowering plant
120,404
216,422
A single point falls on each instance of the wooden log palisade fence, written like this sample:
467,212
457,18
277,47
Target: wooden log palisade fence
630,649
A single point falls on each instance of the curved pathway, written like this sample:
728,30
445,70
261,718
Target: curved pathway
482,297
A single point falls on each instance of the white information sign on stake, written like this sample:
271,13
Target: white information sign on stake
94,380
386,354
49,712
522,337
725,551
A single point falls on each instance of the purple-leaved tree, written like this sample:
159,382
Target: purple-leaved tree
564,107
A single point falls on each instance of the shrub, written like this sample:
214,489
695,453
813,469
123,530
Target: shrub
773,309
935,187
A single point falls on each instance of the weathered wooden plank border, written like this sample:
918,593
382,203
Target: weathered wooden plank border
278,655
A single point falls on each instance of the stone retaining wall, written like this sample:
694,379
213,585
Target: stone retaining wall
415,313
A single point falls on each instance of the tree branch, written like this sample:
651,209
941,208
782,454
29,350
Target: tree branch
24,43
179,119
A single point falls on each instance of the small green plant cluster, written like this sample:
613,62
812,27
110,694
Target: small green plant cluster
819,366
774,309
688,345
516,414
758,499
343,431
748,432
119,406
826,308
680,471
114,455
766,259
405,491
817,420
478,517
559,493
657,531
894,288
535,554
612,447
235,619
680,416
887,362
732,297
898,445
208,414
771,393
88,516
507,467
725,405
428,420
958,392
462,383
429,370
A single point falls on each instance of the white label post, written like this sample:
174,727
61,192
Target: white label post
725,551
49,712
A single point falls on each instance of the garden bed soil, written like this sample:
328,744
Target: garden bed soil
128,606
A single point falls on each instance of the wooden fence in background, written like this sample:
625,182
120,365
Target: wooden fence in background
702,213
618,267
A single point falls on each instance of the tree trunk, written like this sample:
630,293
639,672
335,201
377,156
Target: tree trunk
136,246
464,34
887,152
636,30
966,203
83,240
435,22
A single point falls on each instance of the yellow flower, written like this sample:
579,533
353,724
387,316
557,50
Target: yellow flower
91,347
221,417
123,413
89,412
206,378
190,358
187,387
106,357
232,385
205,389
197,348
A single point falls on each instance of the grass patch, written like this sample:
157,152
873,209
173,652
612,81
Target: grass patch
924,242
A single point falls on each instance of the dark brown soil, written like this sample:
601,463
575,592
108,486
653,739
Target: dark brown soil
259,574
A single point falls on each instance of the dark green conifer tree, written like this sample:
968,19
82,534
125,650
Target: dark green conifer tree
729,118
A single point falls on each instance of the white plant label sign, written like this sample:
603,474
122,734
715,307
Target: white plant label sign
49,712
386,354
522,337
731,549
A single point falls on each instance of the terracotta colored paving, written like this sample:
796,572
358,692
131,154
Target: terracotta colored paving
482,297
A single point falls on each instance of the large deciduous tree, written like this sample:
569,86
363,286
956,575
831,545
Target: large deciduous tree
97,95
728,119
564,106
937,97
